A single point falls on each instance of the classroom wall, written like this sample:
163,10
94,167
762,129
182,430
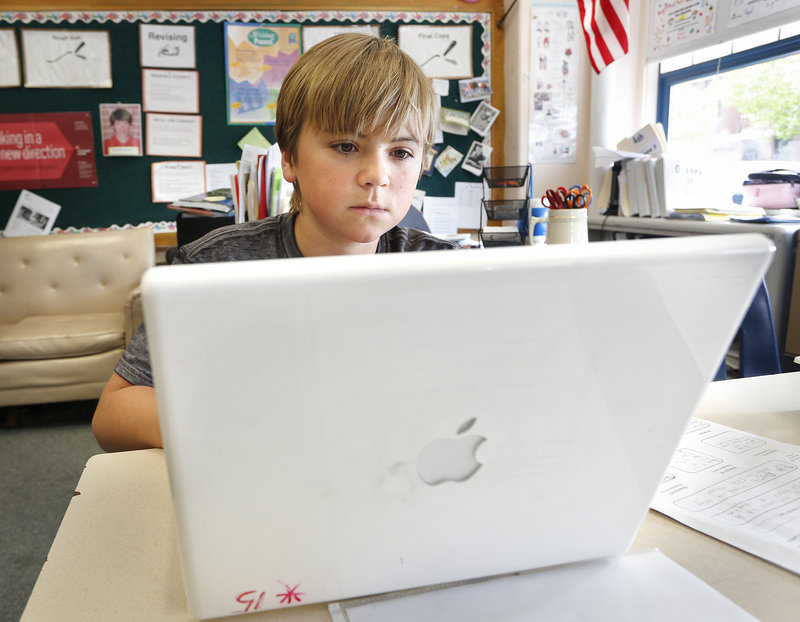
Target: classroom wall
103,208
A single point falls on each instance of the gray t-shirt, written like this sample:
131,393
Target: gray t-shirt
271,238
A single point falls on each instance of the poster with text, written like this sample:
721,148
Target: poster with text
257,58
441,51
556,49
676,22
47,150
67,58
9,68
166,45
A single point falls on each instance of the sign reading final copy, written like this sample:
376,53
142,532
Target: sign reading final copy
47,150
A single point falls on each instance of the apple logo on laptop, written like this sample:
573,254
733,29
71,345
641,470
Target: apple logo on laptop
450,459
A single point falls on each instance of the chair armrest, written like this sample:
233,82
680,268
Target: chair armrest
133,313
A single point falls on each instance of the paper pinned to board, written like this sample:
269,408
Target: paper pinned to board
637,586
32,215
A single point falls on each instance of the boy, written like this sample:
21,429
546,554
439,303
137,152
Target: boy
122,142
355,116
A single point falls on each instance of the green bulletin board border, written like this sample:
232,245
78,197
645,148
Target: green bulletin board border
123,195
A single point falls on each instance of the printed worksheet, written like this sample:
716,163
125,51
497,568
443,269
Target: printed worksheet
740,488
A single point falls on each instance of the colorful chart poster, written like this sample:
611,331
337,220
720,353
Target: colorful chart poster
257,58
677,21
47,150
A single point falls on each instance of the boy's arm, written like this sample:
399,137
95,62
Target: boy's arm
126,417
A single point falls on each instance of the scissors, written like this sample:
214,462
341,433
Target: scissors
575,198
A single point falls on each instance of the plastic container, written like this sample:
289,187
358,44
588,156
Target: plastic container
568,226
539,218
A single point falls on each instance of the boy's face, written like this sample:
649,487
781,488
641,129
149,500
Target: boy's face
122,129
354,188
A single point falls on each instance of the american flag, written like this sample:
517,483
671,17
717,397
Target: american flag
605,25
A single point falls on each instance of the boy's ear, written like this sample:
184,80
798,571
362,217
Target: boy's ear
287,168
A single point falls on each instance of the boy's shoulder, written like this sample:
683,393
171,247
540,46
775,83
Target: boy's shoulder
405,239
269,238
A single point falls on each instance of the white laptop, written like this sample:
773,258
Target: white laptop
343,426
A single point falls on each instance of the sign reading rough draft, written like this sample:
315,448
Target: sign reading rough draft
257,58
47,150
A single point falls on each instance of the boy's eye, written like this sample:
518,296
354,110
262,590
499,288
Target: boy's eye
345,147
402,154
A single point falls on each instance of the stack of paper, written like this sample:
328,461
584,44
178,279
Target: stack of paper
634,587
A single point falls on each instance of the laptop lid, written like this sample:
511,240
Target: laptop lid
342,426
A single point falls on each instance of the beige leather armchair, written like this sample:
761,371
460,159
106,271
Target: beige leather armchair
68,306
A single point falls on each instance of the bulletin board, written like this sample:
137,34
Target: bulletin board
122,194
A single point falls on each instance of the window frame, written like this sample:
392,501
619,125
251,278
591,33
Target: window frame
760,54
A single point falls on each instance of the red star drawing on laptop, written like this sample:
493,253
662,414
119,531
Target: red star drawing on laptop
290,594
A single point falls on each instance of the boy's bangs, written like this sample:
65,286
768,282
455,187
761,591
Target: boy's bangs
390,107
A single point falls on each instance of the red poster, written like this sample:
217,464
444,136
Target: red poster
47,150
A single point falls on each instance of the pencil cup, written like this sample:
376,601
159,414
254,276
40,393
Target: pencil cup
539,214
567,226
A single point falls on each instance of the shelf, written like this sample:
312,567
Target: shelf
505,209
506,176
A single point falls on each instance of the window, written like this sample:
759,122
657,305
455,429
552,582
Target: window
735,106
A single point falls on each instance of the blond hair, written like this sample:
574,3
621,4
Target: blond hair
354,84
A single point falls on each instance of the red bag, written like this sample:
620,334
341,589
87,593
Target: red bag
775,189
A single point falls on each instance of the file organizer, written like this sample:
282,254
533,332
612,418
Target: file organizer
507,179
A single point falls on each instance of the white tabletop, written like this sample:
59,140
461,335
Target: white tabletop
115,556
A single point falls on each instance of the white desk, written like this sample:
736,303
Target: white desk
115,556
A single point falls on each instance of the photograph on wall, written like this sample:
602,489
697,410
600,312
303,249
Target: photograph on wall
441,51
447,160
314,34
66,58
431,154
32,215
167,46
474,89
9,68
482,119
121,129
171,90
556,40
47,150
257,58
476,158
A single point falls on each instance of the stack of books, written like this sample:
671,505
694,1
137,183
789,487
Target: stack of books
218,202
256,191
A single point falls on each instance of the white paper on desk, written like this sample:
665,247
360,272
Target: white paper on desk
250,154
441,214
740,488
219,175
633,587
468,197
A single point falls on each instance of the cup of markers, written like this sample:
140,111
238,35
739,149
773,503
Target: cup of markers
568,219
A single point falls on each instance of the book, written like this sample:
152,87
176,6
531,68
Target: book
649,140
199,211
657,207
219,200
